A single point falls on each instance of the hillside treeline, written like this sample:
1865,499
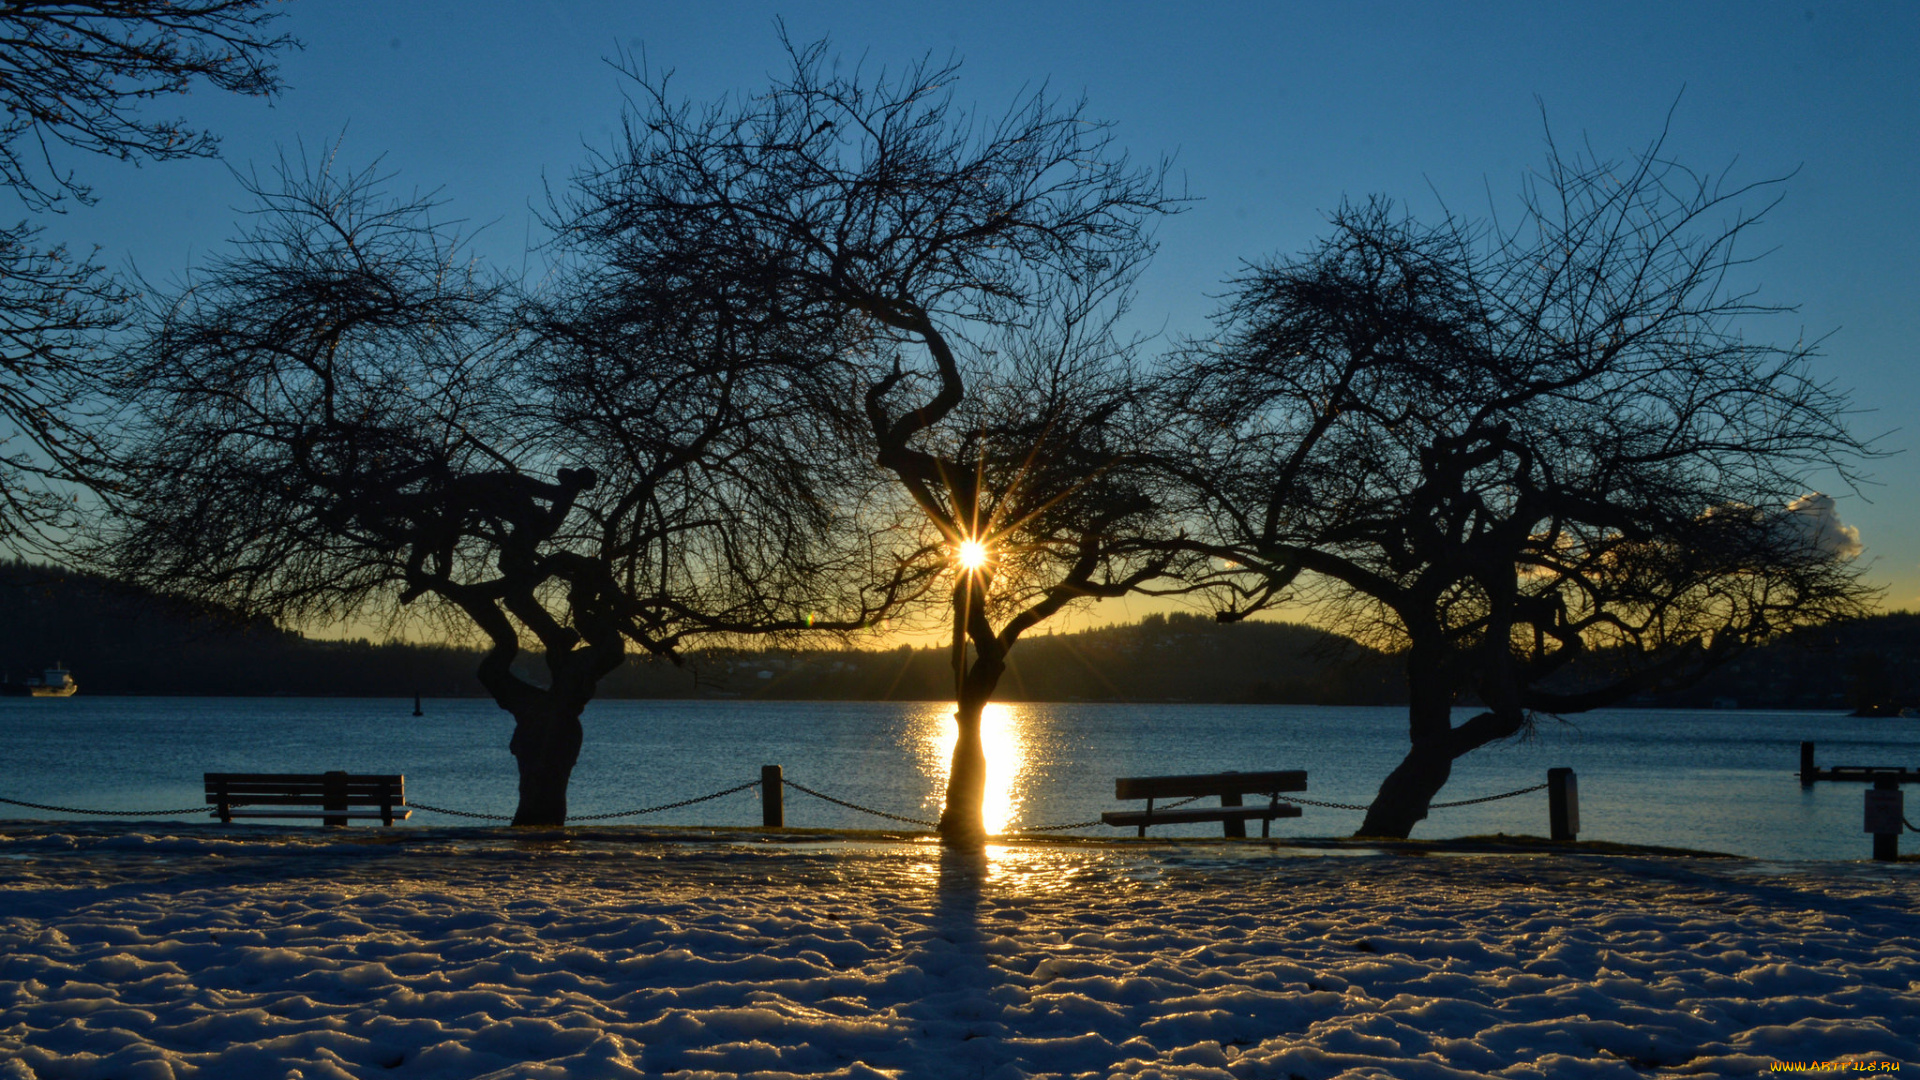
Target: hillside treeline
1177,657
121,640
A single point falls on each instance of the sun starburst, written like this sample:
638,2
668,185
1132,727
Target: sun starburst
972,555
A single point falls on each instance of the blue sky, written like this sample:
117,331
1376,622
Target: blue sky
1273,113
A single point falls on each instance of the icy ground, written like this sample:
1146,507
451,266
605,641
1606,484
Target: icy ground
252,953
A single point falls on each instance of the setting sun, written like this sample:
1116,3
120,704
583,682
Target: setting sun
972,555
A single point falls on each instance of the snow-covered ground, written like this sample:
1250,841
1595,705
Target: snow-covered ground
149,952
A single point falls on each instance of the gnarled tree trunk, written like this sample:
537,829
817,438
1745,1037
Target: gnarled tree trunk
1407,792
547,733
1403,798
1401,802
546,746
963,820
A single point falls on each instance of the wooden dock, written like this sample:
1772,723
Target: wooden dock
1885,813
1864,774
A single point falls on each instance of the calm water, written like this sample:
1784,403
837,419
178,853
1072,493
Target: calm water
1722,780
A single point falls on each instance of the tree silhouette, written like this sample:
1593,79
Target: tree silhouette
72,78
975,264
344,416
1548,461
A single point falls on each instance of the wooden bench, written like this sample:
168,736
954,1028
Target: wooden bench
331,796
1229,786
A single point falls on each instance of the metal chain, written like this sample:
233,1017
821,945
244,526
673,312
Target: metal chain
1096,821
595,817
1058,828
667,806
756,783
1430,806
110,813
1485,798
857,806
412,805
1328,805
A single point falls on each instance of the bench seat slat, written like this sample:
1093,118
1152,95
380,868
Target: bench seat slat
1188,814
1180,787
300,785
283,778
241,811
296,790
315,798
301,789
283,795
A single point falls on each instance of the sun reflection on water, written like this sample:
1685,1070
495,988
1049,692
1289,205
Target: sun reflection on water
1003,733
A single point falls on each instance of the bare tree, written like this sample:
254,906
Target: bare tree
74,74
1038,485
72,79
1547,461
344,416
954,248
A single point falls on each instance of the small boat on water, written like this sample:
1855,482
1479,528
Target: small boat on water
55,681
1903,712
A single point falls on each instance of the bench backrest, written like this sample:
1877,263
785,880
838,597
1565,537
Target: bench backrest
306,789
1226,783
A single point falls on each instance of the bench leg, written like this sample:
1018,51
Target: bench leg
1232,828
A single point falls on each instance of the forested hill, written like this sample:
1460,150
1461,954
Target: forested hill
1162,658
1865,664
118,640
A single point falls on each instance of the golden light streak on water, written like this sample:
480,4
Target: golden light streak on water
1004,736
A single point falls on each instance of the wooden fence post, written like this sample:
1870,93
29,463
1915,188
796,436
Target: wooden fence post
1883,814
773,811
1563,805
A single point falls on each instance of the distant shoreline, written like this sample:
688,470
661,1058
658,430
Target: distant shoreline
119,641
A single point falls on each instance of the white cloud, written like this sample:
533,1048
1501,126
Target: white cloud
1813,517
